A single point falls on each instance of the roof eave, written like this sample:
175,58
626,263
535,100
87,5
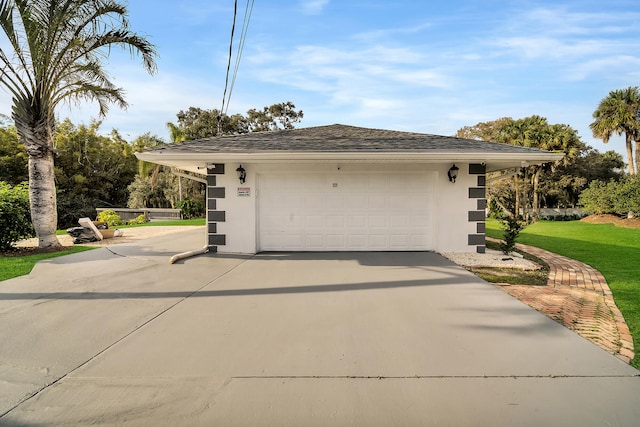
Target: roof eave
494,160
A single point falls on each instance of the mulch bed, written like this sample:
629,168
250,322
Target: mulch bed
612,219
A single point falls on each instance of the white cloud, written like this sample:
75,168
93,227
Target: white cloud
386,34
622,66
313,7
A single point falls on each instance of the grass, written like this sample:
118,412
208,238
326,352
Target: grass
614,251
15,266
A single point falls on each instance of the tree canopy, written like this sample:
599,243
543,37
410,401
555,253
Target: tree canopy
619,113
528,189
196,123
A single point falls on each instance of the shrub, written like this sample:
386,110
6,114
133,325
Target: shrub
613,197
599,197
110,217
140,219
627,197
512,227
15,217
191,208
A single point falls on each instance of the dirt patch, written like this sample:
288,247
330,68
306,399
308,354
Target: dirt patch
26,251
612,219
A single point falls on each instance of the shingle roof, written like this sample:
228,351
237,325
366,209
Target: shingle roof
339,138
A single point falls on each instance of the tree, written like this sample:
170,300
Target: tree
524,192
91,170
155,186
13,158
562,186
196,123
269,117
619,113
56,48
617,197
485,131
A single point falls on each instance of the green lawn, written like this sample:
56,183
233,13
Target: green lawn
14,266
614,251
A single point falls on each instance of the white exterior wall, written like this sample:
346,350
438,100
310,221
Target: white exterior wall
452,202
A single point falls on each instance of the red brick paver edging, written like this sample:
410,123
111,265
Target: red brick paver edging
578,296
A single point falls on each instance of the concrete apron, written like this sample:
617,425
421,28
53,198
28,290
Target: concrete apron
291,339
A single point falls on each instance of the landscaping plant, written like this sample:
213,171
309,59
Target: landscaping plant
111,218
511,227
15,219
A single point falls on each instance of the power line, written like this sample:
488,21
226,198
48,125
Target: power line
226,81
243,36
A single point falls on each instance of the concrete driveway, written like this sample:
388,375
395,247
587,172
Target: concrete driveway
118,336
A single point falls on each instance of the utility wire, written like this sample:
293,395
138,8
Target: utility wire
226,100
226,81
243,36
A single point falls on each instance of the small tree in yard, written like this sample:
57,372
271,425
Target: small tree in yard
512,226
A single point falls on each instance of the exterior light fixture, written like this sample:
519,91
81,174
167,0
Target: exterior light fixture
453,173
242,174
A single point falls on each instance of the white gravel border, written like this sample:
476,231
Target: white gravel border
491,259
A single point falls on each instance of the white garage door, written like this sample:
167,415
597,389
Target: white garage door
345,212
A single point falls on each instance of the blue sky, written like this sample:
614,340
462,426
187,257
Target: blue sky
420,66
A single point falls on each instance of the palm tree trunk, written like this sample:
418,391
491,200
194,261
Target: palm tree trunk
630,153
536,195
42,187
637,156
517,202
42,195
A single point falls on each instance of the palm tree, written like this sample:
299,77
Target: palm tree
619,113
55,55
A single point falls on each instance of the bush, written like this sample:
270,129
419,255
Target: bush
110,217
628,196
191,208
613,197
140,219
512,227
15,216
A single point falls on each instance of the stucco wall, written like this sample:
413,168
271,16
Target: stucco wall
452,201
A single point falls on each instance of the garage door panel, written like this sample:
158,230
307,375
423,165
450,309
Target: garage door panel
335,241
336,202
398,221
378,241
357,221
357,241
398,241
378,202
315,241
356,211
357,202
315,221
377,221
